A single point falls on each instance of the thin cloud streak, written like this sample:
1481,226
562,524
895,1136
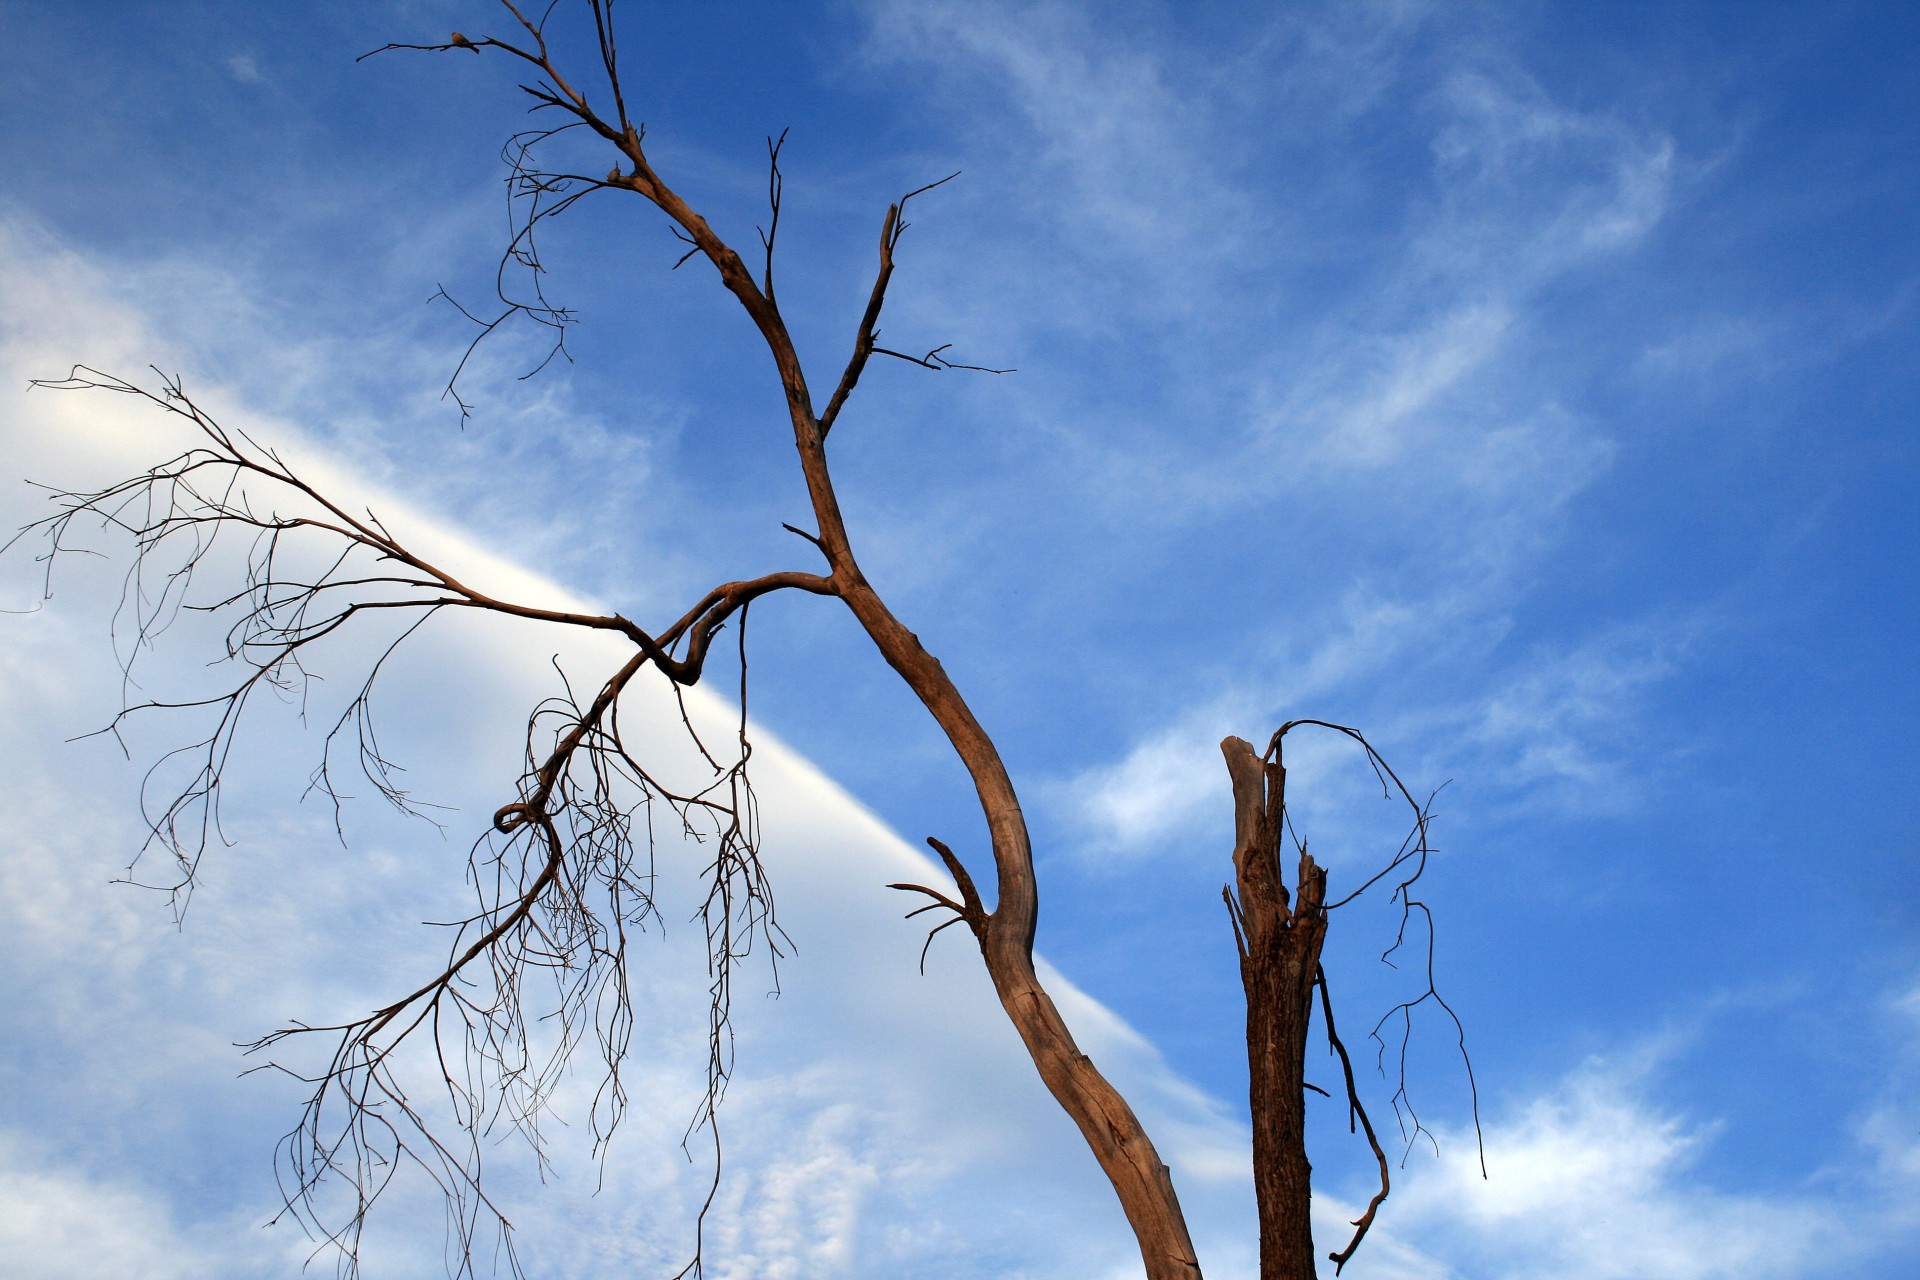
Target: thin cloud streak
1417,407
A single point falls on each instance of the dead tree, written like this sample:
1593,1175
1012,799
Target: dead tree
1280,933
563,875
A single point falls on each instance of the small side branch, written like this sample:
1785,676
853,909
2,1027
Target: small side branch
867,336
802,533
1404,870
1237,918
936,361
1355,1111
776,187
1403,1012
1414,849
968,910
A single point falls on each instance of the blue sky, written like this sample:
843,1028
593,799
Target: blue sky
1527,384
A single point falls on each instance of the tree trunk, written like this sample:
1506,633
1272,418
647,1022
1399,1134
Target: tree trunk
1114,1133
1279,956
1116,1136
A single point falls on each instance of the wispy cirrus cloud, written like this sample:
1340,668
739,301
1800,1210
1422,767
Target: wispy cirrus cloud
883,1122
1332,348
1416,419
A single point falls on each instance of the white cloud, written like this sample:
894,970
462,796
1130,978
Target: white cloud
57,1223
1593,1182
1532,188
866,1097
1420,423
1419,369
245,68
1114,129
882,1124
1558,720
1153,791
1889,1128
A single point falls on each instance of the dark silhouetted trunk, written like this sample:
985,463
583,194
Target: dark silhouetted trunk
1279,957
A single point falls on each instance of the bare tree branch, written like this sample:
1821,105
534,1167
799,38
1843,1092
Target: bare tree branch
1356,1110
561,882
1411,860
565,874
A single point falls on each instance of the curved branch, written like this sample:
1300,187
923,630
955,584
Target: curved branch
544,904
1415,846
967,910
1355,1110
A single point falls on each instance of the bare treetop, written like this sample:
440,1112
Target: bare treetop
539,974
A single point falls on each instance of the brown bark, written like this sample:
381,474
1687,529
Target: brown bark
1279,935
1118,1140
1006,934
1279,957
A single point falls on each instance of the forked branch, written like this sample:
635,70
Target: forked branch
1409,863
565,874
561,882
536,194
969,910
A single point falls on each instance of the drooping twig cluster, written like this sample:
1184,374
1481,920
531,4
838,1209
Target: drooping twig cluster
538,968
560,882
565,875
